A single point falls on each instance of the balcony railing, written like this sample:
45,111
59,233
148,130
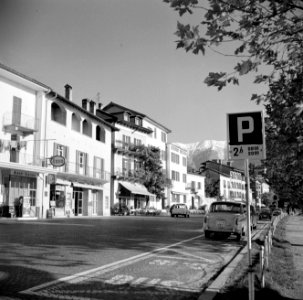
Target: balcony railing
97,176
19,123
191,187
129,174
82,171
124,147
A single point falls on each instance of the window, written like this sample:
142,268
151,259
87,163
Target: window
100,134
184,178
76,120
62,151
87,128
163,154
175,158
184,161
138,121
184,198
137,142
126,116
125,141
175,175
163,137
98,167
58,114
199,185
126,167
82,163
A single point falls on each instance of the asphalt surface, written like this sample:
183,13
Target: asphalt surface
109,258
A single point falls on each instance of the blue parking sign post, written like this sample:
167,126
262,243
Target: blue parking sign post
246,141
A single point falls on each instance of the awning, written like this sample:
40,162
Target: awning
136,188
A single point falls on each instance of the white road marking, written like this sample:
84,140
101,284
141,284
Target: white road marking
103,269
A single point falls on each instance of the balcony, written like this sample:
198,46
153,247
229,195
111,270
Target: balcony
191,188
19,124
129,175
86,175
126,148
21,159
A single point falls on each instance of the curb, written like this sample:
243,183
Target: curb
218,284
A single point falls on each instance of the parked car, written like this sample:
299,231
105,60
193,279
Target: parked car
120,210
228,218
151,211
179,209
265,213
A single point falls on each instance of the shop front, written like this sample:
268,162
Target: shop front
19,192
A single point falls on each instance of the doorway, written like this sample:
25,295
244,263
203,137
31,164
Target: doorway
78,196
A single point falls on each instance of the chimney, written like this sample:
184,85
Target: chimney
68,92
100,106
85,104
92,105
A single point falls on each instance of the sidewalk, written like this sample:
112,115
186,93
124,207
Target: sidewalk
294,235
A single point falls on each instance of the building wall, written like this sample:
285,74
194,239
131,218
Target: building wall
177,173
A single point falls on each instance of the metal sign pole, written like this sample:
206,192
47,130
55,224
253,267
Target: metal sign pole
248,231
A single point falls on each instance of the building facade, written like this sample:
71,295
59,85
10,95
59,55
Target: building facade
223,181
177,173
22,170
40,128
135,129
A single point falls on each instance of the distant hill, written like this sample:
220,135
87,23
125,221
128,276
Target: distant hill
202,151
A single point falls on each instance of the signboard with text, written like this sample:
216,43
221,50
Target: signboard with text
246,136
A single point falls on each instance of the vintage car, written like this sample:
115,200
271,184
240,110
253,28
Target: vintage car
228,218
179,209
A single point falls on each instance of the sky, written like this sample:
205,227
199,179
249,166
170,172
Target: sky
125,52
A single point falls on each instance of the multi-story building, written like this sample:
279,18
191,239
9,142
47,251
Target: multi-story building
82,186
40,128
196,190
177,173
22,172
223,181
135,129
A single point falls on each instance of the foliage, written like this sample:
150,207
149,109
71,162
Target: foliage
152,175
265,33
267,199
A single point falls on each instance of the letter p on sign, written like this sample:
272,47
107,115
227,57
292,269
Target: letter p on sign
241,130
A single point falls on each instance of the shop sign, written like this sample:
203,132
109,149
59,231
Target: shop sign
57,161
51,178
22,173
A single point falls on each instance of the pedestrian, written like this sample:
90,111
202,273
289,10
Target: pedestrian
20,206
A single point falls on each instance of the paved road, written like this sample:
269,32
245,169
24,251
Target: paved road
109,258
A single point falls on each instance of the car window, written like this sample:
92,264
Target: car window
226,207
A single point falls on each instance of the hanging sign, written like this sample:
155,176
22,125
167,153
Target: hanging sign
57,161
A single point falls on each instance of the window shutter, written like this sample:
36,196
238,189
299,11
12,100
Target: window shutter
102,168
95,166
16,118
77,161
86,165
66,158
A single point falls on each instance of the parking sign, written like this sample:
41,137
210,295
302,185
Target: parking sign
246,136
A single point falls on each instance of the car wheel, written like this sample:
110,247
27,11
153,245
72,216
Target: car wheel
172,215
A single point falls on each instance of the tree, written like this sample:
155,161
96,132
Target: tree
151,172
263,33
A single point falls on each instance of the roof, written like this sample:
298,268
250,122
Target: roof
113,104
16,76
73,104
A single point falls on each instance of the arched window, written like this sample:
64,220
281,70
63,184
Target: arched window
87,128
76,122
100,134
58,114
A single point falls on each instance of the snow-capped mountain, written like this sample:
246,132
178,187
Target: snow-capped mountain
202,151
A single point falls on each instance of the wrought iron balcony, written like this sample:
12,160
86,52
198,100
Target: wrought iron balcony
128,174
191,187
19,123
126,148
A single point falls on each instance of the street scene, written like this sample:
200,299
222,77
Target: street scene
151,149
